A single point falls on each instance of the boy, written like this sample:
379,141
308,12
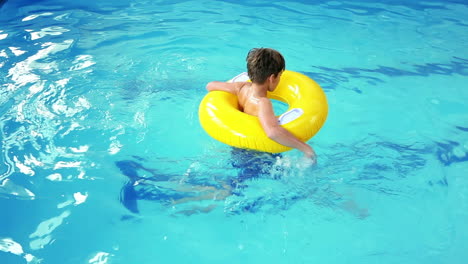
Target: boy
264,67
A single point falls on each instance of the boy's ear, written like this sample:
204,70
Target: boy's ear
271,78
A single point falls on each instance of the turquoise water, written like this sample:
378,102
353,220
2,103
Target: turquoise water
88,84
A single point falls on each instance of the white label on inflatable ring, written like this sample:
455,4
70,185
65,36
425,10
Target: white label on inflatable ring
290,116
243,77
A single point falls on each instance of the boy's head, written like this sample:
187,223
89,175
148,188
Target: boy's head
263,62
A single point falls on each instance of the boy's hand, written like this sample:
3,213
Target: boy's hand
310,154
308,160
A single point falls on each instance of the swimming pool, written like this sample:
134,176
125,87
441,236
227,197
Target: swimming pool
94,93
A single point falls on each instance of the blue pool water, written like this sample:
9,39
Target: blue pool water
100,133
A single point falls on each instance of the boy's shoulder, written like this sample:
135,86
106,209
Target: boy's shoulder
242,87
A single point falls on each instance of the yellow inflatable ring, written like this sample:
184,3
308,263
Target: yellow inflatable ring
221,118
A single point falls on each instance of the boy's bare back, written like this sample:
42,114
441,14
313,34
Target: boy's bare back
247,100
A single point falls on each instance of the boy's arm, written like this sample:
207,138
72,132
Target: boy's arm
276,132
224,86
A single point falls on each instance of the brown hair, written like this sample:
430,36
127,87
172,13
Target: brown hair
263,62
